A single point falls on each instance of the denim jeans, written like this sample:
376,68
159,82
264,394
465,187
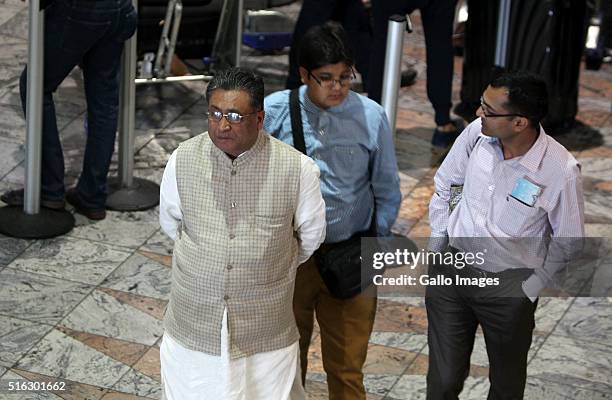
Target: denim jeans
89,33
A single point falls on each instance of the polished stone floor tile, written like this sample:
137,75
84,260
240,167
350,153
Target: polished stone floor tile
154,111
126,229
408,387
587,319
148,305
10,248
8,11
159,243
60,355
102,314
581,363
397,317
412,342
149,364
38,298
141,275
13,375
11,154
379,384
73,390
121,350
12,123
383,360
17,336
73,259
536,389
139,384
113,395
413,387
549,311
598,167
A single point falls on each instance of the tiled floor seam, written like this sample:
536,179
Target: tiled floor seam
145,144
535,354
403,372
51,327
94,287
18,255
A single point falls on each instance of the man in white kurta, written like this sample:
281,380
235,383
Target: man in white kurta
234,370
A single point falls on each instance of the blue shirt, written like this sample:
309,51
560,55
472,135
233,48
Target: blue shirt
352,146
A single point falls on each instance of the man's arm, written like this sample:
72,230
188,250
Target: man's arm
567,222
385,179
309,219
451,172
170,213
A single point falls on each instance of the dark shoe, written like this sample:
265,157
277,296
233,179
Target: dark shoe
72,197
15,198
408,77
445,139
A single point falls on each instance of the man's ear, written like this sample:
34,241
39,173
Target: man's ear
261,115
520,124
304,75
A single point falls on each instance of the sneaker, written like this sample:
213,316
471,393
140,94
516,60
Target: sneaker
15,198
445,139
72,197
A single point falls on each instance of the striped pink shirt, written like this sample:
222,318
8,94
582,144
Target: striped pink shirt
488,210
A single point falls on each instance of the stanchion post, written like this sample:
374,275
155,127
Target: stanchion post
127,113
128,193
31,204
31,221
503,23
393,63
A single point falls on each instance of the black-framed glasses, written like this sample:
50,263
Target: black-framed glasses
328,82
483,106
231,117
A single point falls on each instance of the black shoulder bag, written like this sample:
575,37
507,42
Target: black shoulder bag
339,263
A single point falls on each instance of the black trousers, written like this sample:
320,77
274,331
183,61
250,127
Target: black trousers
354,19
437,17
507,320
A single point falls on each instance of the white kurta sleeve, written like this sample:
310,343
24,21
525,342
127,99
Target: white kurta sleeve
309,219
170,212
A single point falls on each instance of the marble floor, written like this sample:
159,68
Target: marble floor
87,307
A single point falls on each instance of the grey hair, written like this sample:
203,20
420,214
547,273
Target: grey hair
239,79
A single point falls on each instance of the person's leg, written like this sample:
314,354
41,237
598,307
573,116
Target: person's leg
450,337
59,60
438,17
312,13
308,286
381,11
346,326
101,66
507,324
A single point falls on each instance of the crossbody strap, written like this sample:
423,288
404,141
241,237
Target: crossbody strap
296,121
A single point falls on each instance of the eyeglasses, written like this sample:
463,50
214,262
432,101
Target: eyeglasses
231,117
492,115
328,82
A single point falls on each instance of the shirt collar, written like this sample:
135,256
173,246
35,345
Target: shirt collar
532,159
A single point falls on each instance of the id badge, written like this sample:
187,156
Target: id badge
526,191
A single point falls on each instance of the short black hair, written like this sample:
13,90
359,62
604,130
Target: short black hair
527,94
239,79
324,45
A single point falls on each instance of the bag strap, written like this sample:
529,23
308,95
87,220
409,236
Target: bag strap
298,140
296,121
